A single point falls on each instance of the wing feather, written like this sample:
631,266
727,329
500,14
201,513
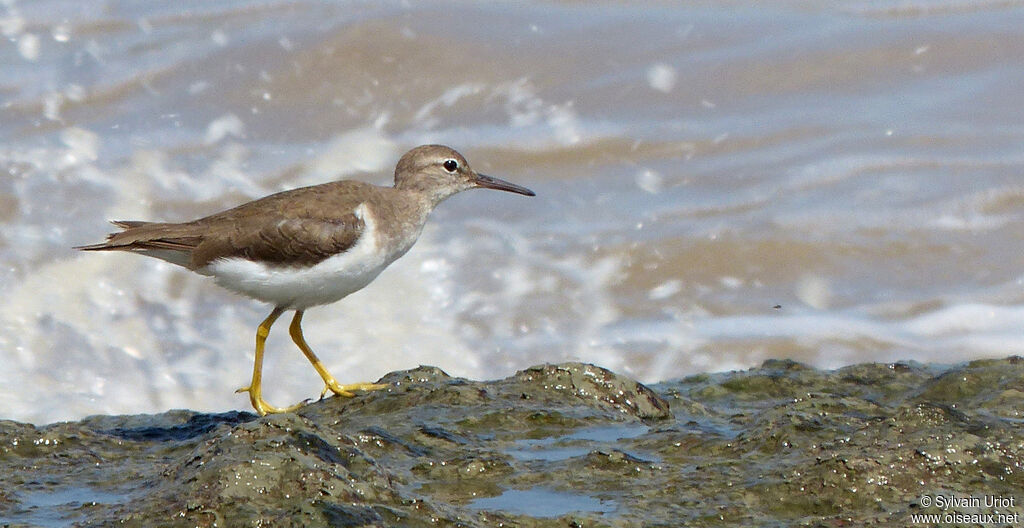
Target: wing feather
299,227
291,241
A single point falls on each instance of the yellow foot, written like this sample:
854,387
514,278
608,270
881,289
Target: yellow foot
346,390
264,408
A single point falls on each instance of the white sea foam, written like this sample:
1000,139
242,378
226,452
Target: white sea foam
662,77
365,150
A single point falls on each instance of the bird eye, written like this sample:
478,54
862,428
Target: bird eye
451,165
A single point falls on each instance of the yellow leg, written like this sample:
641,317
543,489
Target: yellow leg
255,389
331,384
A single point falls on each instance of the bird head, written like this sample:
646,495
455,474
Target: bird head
438,172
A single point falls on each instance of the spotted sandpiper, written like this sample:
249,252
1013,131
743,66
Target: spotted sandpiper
309,246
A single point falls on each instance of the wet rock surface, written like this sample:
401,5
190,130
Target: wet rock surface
553,445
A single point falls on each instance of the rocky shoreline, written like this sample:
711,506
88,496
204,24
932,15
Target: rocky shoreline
553,445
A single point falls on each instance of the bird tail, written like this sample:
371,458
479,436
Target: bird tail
138,235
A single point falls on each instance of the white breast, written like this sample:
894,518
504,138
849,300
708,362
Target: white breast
302,287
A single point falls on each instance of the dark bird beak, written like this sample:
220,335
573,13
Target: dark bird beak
488,182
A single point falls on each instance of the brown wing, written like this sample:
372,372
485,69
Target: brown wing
284,241
298,227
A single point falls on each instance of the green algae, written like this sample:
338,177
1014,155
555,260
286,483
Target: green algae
553,445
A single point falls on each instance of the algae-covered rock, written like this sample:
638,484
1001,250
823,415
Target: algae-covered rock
593,385
553,445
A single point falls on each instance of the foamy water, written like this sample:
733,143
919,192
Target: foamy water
717,186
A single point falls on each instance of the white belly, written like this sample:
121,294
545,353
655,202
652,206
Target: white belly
302,287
